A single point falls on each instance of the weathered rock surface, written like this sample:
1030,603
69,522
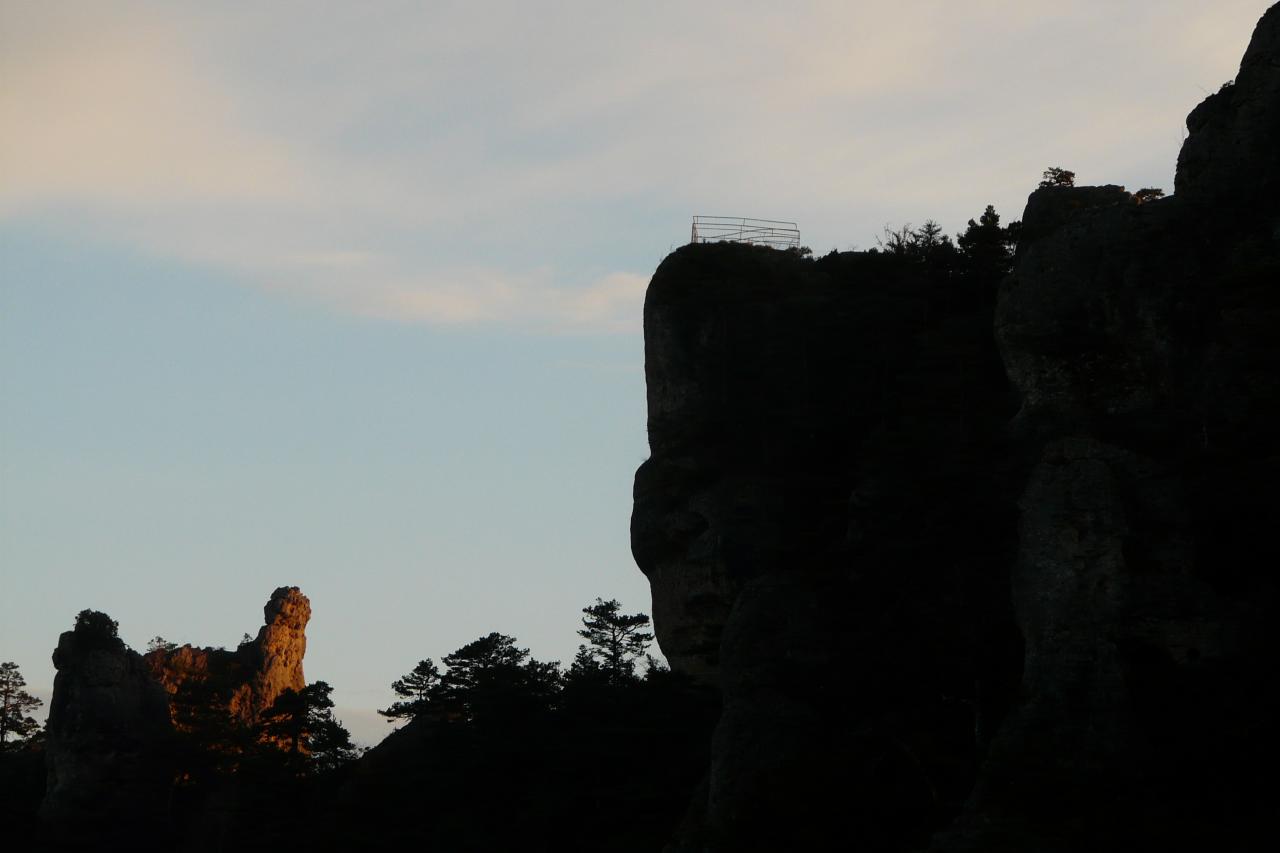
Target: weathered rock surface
823,515
108,730
1229,157
920,584
111,756
1143,341
245,681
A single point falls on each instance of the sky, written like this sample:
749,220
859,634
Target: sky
348,296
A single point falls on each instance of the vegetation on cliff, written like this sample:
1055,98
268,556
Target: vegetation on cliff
602,756
955,545
162,742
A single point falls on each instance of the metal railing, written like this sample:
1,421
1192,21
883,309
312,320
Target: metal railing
740,229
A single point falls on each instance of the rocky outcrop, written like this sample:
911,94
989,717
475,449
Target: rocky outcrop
992,573
108,731
246,681
112,756
824,520
1228,159
1143,341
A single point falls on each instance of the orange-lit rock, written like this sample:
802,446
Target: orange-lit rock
245,681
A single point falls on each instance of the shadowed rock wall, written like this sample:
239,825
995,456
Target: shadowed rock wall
108,732
997,574
825,521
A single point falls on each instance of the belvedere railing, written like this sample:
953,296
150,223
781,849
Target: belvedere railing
740,229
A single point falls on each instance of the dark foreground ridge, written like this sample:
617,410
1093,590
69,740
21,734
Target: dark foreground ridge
207,749
944,557
966,591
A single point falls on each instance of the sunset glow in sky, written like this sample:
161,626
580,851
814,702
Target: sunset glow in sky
348,296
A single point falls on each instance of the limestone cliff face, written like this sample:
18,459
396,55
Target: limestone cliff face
107,732
999,572
1144,343
246,681
280,647
114,713
825,520
1229,157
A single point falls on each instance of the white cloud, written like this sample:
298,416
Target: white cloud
452,165
112,117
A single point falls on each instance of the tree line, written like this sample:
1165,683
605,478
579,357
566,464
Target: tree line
486,680
491,678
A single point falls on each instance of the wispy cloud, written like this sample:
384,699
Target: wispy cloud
522,164
108,114
611,303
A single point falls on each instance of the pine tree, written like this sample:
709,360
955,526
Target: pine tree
14,705
492,679
586,669
1056,176
416,690
987,249
301,722
1147,194
616,640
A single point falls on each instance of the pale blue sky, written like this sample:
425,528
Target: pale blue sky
348,295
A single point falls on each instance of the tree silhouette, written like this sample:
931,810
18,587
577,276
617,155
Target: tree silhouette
301,723
158,643
1056,176
987,248
416,690
491,678
926,244
97,630
929,236
1147,194
899,242
616,640
14,705
587,669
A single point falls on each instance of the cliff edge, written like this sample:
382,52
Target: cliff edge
984,575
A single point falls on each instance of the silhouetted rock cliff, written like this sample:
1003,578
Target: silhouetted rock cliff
1229,157
108,732
824,521
1143,340
993,573
113,757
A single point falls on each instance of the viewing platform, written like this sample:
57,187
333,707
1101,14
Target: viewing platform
740,229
